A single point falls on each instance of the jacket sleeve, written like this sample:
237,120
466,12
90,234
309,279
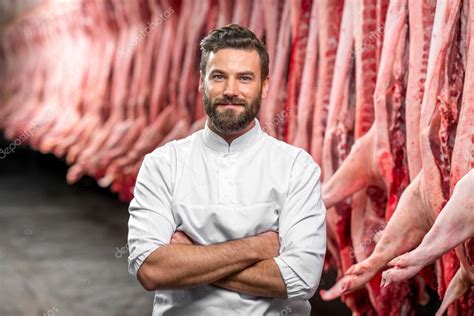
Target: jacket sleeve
302,230
151,223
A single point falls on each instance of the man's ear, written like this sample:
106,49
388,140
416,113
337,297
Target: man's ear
265,87
200,81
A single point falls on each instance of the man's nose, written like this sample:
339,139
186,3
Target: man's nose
231,89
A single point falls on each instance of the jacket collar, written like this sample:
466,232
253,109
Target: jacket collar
217,143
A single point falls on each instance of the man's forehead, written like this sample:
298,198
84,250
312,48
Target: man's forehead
234,60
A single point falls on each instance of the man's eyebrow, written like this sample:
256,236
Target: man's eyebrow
217,71
242,73
246,73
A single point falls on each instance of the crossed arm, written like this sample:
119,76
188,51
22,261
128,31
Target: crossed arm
245,265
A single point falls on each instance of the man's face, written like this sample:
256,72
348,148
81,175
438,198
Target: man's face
233,89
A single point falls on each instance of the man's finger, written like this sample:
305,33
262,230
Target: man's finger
181,238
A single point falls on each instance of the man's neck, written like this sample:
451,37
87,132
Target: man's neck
230,137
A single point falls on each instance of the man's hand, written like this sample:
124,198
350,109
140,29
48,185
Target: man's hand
180,237
269,243
263,278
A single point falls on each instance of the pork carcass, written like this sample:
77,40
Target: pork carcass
453,227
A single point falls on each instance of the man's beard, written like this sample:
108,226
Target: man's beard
228,121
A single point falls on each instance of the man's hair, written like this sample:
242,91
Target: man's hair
236,37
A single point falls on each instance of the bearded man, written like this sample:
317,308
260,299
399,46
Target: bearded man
229,220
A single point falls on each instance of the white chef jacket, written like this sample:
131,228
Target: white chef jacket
216,192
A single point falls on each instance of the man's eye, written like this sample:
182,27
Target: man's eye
246,78
218,77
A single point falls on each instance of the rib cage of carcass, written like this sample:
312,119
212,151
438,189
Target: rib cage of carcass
378,91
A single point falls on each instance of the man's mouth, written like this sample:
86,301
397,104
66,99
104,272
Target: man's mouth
233,106
229,102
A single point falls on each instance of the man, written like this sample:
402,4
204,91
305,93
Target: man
229,221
